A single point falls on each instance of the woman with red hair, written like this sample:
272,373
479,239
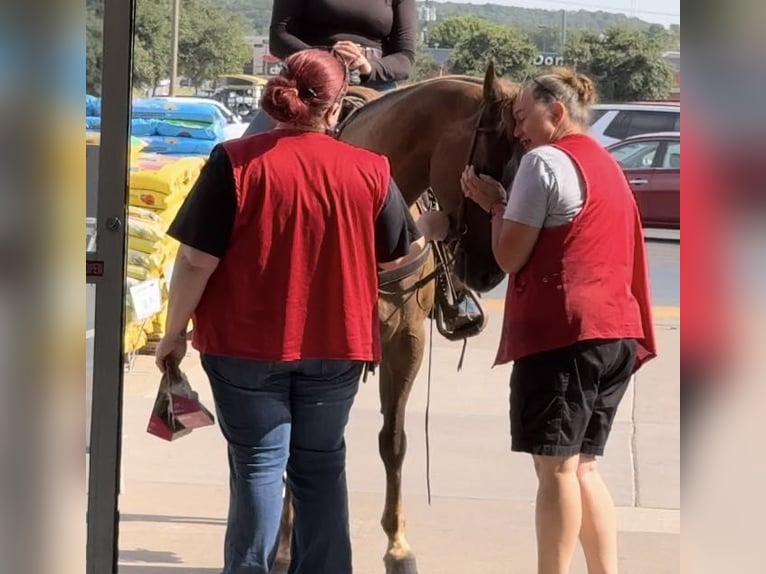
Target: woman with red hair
281,238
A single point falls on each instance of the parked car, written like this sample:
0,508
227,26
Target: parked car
234,127
652,164
611,123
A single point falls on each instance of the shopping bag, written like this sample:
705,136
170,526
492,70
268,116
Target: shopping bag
177,409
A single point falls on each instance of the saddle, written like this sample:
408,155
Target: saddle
457,311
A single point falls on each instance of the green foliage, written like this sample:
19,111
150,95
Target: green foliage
531,19
94,39
424,68
450,32
547,39
211,42
257,14
151,44
510,49
626,64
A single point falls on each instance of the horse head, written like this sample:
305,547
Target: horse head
485,140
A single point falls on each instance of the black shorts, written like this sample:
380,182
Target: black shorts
563,402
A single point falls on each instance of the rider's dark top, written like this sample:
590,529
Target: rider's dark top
388,25
300,221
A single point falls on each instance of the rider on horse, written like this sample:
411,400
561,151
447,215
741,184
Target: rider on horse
375,40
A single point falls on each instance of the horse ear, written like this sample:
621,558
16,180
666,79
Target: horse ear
492,91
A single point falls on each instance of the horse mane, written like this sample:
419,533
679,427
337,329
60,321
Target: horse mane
394,95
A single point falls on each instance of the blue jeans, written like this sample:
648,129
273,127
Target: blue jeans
277,416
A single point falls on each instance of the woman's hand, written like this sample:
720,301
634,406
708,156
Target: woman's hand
170,351
353,56
482,189
434,225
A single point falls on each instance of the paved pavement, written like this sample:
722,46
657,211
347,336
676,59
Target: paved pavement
174,498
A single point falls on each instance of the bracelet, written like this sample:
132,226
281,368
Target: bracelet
497,208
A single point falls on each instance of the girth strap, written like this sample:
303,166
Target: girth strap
395,275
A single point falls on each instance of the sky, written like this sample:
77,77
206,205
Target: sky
660,11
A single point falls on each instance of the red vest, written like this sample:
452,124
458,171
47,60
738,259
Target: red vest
298,280
587,279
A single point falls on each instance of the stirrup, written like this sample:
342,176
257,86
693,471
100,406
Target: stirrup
460,319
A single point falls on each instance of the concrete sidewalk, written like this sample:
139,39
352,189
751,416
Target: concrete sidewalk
174,499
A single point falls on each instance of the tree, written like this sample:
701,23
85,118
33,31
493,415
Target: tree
510,49
424,68
151,43
627,65
450,32
94,41
668,38
546,38
211,42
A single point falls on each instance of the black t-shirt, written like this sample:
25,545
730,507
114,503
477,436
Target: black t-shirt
389,25
206,218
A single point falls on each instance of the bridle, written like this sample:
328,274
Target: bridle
461,227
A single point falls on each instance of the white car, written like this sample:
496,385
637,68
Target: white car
611,123
234,127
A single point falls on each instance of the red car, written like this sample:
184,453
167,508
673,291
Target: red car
652,164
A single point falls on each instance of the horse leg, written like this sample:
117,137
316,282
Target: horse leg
403,345
397,375
282,561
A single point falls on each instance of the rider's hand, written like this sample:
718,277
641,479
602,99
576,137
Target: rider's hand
353,56
170,351
434,225
482,189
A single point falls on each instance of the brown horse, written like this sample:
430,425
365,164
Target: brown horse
429,131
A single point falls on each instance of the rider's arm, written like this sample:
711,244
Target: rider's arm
399,47
286,17
395,230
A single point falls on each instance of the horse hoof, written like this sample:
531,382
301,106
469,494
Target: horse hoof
280,567
406,565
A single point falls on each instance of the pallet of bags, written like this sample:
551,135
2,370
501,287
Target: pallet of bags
180,145
164,109
193,130
162,185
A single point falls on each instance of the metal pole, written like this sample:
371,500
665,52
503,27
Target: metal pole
174,47
106,415
563,28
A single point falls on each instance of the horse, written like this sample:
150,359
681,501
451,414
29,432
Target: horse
429,131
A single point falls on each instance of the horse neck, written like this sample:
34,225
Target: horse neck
409,126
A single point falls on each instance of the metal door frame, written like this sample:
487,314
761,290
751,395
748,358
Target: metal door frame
106,269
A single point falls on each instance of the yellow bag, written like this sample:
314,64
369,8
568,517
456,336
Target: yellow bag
144,235
167,180
156,200
144,214
141,273
152,262
134,337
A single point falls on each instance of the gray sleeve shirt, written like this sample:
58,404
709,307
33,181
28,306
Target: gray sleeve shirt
547,190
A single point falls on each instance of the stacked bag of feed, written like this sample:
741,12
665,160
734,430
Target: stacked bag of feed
146,257
161,183
167,126
178,127
158,187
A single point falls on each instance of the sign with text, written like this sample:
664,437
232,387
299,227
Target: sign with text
549,59
146,298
